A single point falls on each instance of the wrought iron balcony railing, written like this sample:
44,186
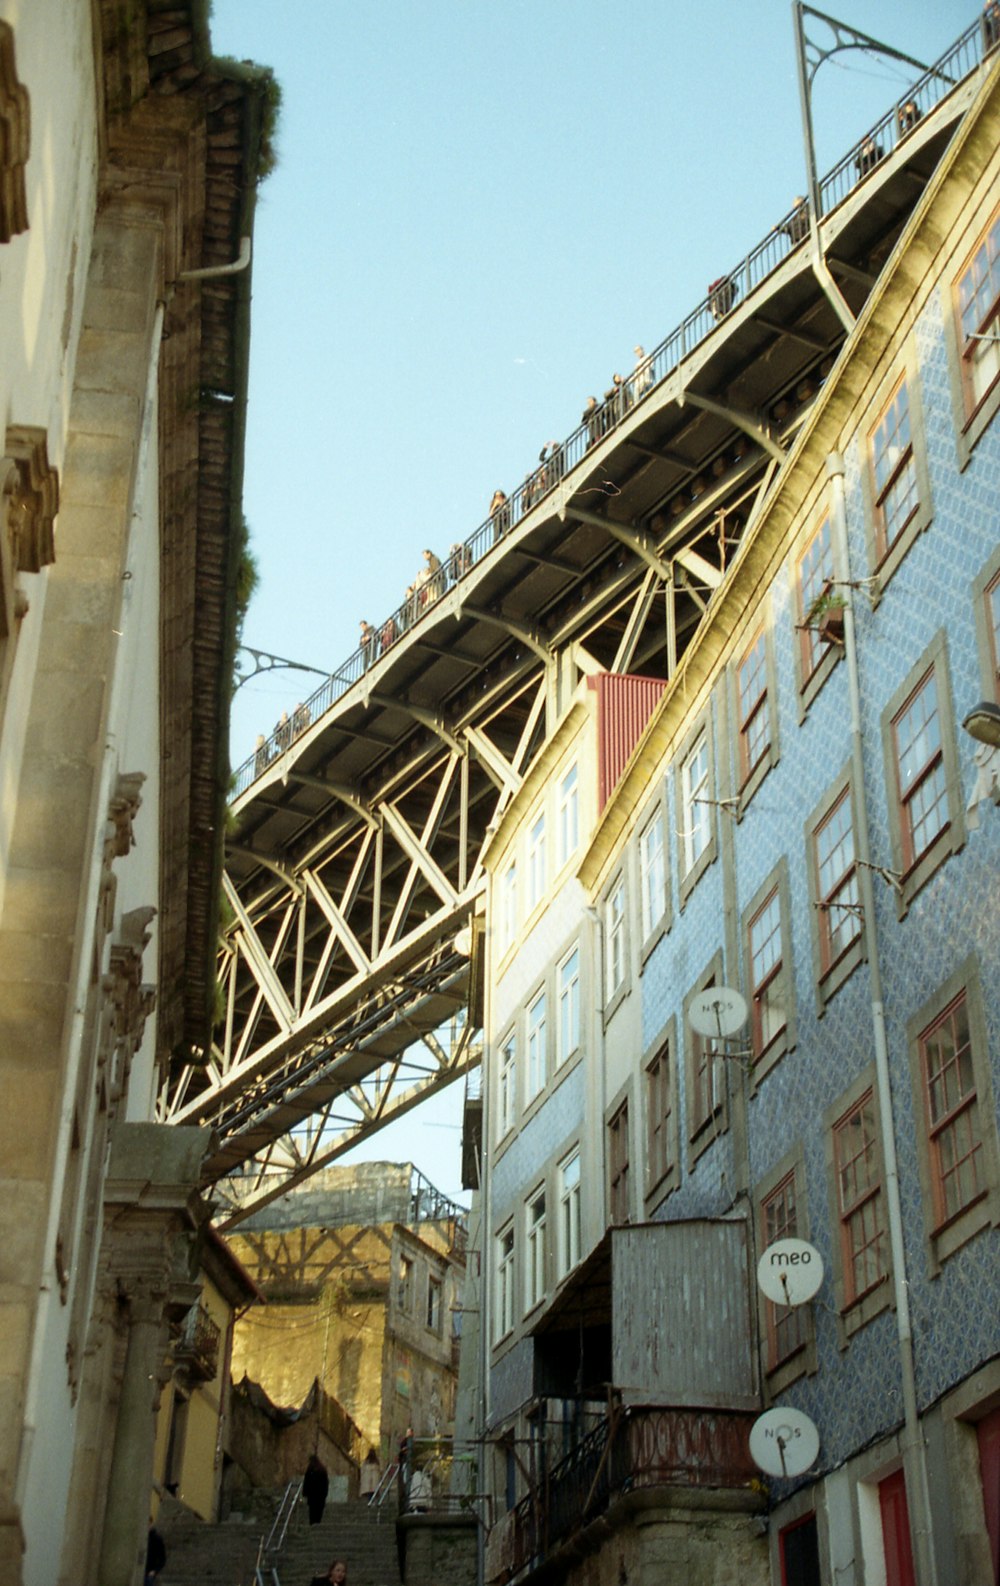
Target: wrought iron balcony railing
634,1448
197,1347
723,295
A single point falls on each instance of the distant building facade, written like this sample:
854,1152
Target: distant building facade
362,1269
802,820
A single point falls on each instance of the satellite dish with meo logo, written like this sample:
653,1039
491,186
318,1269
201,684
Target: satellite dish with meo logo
790,1272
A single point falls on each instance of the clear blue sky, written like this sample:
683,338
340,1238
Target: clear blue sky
477,213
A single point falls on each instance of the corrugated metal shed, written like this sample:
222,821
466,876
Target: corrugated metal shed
624,706
680,1316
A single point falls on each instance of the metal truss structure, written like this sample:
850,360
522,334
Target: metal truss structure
355,882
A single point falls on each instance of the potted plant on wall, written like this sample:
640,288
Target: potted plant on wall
826,616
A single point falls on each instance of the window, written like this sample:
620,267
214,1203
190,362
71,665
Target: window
534,1251
696,817
568,995
569,1213
769,975
615,936
507,1086
404,1284
568,815
751,708
536,862
894,471
504,1282
954,1103
925,801
798,1550
652,876
816,578
786,1324
536,1047
993,630
434,1304
977,299
659,1118
508,906
920,774
766,981
838,900
618,1167
860,1202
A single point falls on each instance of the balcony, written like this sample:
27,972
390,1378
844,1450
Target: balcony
635,1448
196,1350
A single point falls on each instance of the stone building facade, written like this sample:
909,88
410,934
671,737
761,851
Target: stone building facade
362,1270
804,822
128,161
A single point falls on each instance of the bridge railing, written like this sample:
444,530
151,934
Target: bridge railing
722,297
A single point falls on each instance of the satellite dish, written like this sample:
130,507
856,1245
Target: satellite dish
783,1442
718,1011
790,1271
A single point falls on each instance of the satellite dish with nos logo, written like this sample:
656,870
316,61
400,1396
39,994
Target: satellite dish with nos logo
783,1442
790,1271
717,1011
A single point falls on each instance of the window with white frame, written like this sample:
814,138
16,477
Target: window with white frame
920,770
534,1250
535,1077
569,1213
568,996
504,1294
508,906
696,819
816,579
894,470
652,875
568,815
753,722
659,1117
767,982
839,901
615,938
536,861
977,304
507,1086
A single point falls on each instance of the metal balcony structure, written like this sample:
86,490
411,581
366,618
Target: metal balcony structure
355,864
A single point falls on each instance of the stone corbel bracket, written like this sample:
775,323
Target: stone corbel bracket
32,492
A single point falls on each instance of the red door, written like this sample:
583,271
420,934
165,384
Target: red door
896,1531
988,1433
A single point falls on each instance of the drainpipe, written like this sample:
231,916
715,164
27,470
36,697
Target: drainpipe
485,1247
39,1366
212,272
914,1455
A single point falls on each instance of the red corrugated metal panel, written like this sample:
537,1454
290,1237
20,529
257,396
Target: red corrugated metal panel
624,706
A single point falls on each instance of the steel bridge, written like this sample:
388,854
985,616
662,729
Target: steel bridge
355,869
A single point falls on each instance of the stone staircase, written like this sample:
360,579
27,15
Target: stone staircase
225,1554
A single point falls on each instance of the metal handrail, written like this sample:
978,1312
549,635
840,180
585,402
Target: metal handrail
378,1497
275,1539
957,62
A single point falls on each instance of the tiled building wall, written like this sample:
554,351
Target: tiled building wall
855,1393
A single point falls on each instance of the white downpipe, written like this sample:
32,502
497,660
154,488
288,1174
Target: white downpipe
40,1366
914,1457
212,272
